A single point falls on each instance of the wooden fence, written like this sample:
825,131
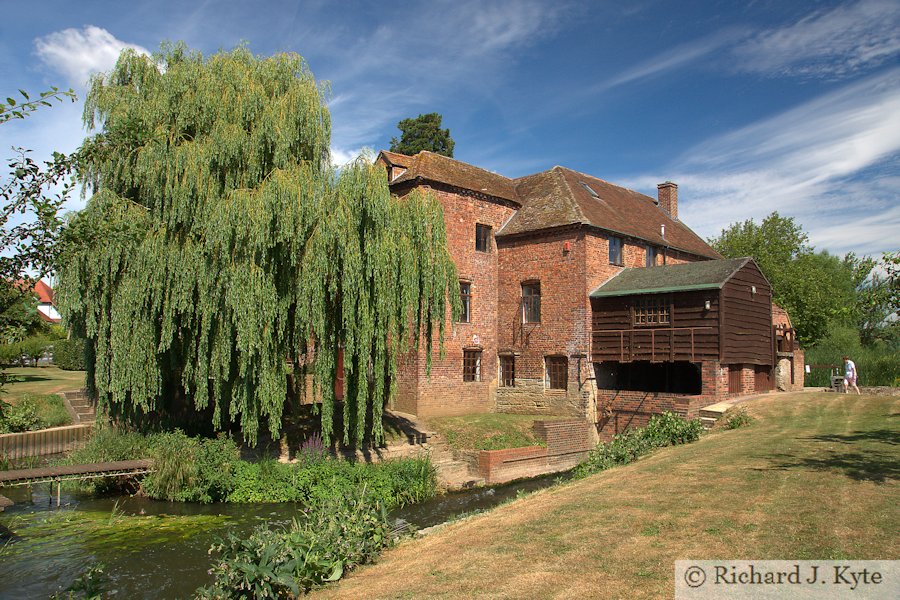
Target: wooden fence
56,440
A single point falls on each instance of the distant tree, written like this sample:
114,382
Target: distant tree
423,133
31,195
222,259
816,288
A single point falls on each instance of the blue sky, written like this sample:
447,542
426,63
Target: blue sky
749,106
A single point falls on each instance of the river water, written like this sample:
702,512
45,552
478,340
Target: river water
155,549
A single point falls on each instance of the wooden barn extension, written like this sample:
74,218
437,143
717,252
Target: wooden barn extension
680,337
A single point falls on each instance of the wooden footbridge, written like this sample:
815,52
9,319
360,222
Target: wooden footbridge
58,474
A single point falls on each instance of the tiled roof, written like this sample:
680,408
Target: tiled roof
44,292
556,198
439,168
701,275
395,158
561,196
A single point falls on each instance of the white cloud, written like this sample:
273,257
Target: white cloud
829,44
832,163
673,58
420,62
78,53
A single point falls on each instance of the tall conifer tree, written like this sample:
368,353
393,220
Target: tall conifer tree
220,247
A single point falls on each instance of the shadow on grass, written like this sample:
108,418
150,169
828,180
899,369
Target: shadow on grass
884,436
876,467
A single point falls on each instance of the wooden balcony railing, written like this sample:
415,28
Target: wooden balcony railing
655,344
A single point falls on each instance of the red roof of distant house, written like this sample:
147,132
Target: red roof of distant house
44,292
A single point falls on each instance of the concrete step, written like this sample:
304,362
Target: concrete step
708,422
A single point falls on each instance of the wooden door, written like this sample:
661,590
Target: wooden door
734,379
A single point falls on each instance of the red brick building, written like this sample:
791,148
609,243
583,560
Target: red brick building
534,256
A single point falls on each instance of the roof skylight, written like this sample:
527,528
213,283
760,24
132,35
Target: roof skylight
589,189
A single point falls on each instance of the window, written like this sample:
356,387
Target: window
651,310
465,296
615,251
482,237
557,372
652,253
471,365
531,302
507,370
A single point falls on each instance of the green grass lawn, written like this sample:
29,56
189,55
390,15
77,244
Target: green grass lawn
492,431
814,477
41,380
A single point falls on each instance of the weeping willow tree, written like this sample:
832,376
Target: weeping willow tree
220,247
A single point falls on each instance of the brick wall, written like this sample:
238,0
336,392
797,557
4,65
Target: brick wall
567,443
621,409
556,260
445,392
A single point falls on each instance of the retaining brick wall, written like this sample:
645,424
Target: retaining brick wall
567,443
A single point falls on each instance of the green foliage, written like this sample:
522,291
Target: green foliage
423,133
393,483
33,412
13,109
90,585
877,364
69,355
328,539
669,429
191,469
220,241
816,288
736,417
662,430
31,348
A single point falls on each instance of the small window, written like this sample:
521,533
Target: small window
557,372
465,297
482,237
507,370
471,365
651,310
652,253
615,251
531,302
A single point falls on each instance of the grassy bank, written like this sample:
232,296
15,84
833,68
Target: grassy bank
814,477
41,380
492,431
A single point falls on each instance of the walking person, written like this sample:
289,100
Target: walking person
850,375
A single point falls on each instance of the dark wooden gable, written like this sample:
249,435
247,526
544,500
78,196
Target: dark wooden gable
747,336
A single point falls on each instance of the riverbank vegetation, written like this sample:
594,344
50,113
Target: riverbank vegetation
814,477
31,412
662,430
192,469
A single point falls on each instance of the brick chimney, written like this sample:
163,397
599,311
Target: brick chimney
668,198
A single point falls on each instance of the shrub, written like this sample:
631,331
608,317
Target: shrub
669,429
326,540
662,430
16,418
735,417
69,354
